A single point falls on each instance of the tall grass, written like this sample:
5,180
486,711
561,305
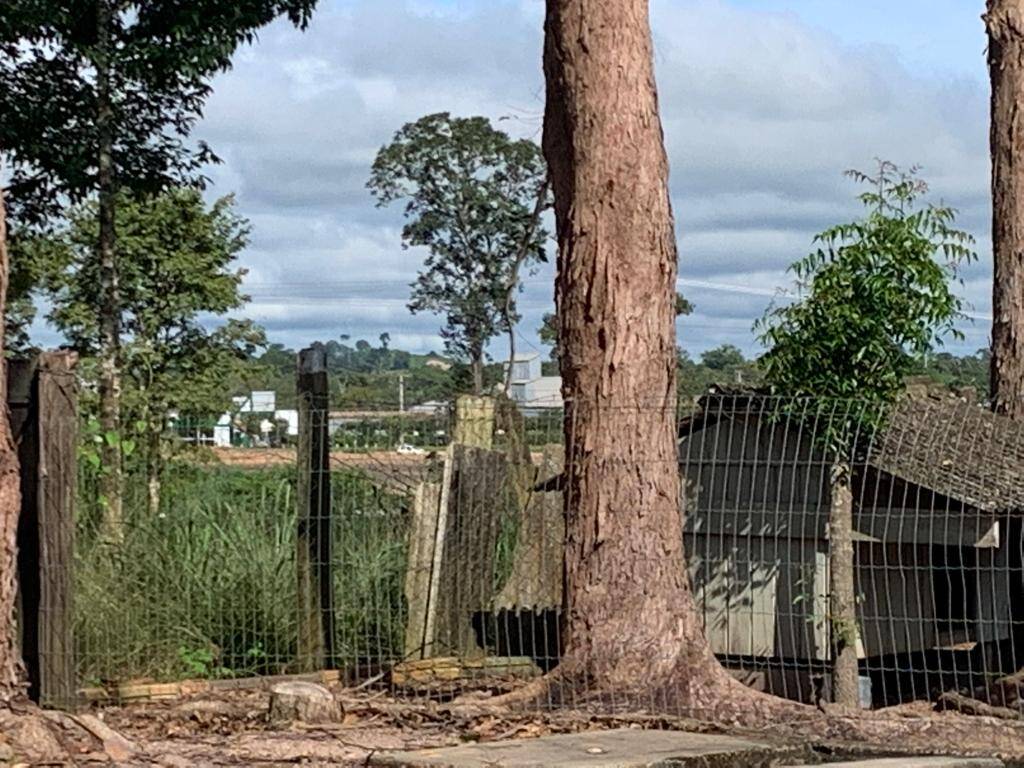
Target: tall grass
208,586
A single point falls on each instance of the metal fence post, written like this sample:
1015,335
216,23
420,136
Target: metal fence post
313,542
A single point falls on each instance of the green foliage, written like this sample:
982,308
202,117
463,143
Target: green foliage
722,366
469,193
26,273
176,268
683,306
875,296
161,55
956,372
361,375
722,358
208,588
548,333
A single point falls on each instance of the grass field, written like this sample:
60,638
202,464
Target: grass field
207,588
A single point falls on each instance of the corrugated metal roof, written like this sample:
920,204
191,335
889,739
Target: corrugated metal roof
956,449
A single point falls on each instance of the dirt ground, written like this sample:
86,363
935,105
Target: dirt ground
228,728
231,728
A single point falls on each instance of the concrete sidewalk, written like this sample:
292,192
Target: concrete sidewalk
631,748
623,748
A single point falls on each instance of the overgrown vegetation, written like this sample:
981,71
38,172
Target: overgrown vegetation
207,587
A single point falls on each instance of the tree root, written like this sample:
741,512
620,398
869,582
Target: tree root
710,695
951,700
713,699
29,734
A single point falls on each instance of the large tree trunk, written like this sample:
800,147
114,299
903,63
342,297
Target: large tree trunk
1005,22
11,669
110,312
631,627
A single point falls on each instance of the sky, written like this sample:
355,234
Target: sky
765,103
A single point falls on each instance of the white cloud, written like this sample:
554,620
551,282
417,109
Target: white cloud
762,113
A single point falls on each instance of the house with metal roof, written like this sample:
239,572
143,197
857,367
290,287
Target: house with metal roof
938,488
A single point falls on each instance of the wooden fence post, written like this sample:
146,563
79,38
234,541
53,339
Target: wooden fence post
842,596
313,497
474,421
43,397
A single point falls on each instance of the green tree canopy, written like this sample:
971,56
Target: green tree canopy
99,98
161,55
177,269
470,195
874,297
723,357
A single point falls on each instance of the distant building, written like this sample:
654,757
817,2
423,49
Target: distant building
290,416
438,363
429,408
222,433
532,391
230,430
261,401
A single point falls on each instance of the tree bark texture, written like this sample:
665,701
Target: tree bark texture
11,668
1005,23
110,313
630,623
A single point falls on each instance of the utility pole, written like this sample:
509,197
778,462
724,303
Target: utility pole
401,393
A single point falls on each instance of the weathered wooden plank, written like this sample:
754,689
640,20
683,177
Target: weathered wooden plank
474,421
430,630
535,582
420,567
44,408
472,516
448,669
57,487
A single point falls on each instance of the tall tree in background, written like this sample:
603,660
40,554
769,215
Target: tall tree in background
10,506
474,199
1005,23
631,627
101,97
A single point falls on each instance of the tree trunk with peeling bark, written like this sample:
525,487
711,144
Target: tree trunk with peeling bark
1005,23
631,625
11,668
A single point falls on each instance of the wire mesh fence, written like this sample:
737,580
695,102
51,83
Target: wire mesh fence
422,553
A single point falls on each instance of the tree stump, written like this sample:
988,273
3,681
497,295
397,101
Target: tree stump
305,702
